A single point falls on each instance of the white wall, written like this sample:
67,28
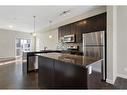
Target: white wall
44,40
116,47
122,41
111,44
7,42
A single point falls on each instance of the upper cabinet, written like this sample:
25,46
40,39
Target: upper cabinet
95,23
64,30
92,24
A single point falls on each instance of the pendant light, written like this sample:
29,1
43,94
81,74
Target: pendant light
50,22
34,33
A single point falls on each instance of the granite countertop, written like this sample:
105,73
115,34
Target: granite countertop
53,51
43,51
70,58
32,53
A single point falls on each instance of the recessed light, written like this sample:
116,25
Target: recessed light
10,26
84,22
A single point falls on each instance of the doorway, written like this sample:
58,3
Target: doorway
22,45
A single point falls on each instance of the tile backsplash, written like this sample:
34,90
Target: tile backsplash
65,46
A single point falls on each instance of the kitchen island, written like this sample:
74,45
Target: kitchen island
63,71
30,58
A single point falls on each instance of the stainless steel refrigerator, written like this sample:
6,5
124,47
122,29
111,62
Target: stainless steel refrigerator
94,46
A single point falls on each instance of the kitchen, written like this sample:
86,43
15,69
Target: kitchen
65,47
80,45
70,47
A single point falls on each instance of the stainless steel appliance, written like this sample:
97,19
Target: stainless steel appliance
69,38
94,46
73,47
30,62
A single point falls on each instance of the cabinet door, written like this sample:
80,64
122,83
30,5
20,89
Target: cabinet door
101,22
45,74
61,31
69,76
89,26
68,29
77,32
95,23
64,30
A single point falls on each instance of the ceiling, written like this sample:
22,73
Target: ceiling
20,18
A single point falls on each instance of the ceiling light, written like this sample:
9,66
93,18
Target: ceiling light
34,34
84,22
50,36
10,26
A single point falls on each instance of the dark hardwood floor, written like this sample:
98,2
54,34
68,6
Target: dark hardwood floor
95,82
11,77
121,83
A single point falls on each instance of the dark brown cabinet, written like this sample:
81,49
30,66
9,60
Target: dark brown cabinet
45,73
77,32
54,74
70,76
92,24
69,30
65,30
96,23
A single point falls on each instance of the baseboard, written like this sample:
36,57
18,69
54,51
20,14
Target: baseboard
110,81
122,76
6,59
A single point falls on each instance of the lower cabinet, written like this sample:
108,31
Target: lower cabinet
55,74
45,73
70,76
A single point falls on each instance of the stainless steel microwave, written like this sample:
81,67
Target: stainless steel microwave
69,38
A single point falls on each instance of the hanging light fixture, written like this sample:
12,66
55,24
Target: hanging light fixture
50,22
34,33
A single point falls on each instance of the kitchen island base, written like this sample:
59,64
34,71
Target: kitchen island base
55,74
